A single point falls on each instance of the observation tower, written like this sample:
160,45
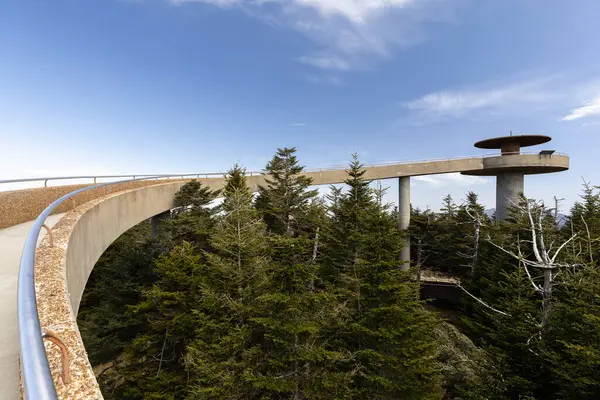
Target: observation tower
511,166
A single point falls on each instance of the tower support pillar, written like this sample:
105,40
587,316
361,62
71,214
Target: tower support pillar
404,219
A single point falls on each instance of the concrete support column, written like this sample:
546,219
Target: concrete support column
404,218
155,222
509,186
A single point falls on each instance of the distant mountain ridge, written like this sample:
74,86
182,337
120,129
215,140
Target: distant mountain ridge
561,219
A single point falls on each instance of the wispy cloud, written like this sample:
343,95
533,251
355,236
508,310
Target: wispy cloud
453,179
348,34
589,124
325,79
588,109
326,63
298,124
459,103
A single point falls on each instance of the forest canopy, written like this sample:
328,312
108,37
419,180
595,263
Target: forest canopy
284,294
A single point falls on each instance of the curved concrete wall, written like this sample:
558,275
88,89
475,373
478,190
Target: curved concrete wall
104,222
61,271
18,206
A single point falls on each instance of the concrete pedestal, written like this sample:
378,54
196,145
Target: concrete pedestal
509,186
404,219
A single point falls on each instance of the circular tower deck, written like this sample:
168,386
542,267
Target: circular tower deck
512,144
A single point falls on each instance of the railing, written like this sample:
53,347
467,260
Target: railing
96,177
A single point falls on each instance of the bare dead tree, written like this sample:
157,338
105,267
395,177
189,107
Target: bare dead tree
545,260
557,202
477,223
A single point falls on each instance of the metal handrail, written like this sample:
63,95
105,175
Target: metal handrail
37,379
96,177
252,173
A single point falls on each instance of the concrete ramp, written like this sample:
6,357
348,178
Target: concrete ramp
11,244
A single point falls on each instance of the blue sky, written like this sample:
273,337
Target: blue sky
160,86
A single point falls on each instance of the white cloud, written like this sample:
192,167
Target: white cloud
502,98
326,63
347,33
298,124
325,79
219,3
453,179
356,11
588,109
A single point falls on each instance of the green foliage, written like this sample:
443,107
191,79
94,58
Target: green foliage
574,339
285,200
468,371
117,281
382,323
191,219
154,364
223,360
292,297
193,198
447,241
236,186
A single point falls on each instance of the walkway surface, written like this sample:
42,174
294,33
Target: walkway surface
11,245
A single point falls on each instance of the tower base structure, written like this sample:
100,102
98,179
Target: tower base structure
509,188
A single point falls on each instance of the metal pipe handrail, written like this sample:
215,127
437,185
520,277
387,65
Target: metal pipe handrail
37,378
96,177
252,173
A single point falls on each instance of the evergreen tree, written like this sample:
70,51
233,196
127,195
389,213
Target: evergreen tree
192,218
116,282
424,248
585,220
155,365
446,234
193,198
383,325
236,185
225,358
573,348
285,200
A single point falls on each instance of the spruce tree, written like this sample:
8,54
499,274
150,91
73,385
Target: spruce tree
225,358
116,282
236,185
193,198
192,216
382,324
155,364
284,200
